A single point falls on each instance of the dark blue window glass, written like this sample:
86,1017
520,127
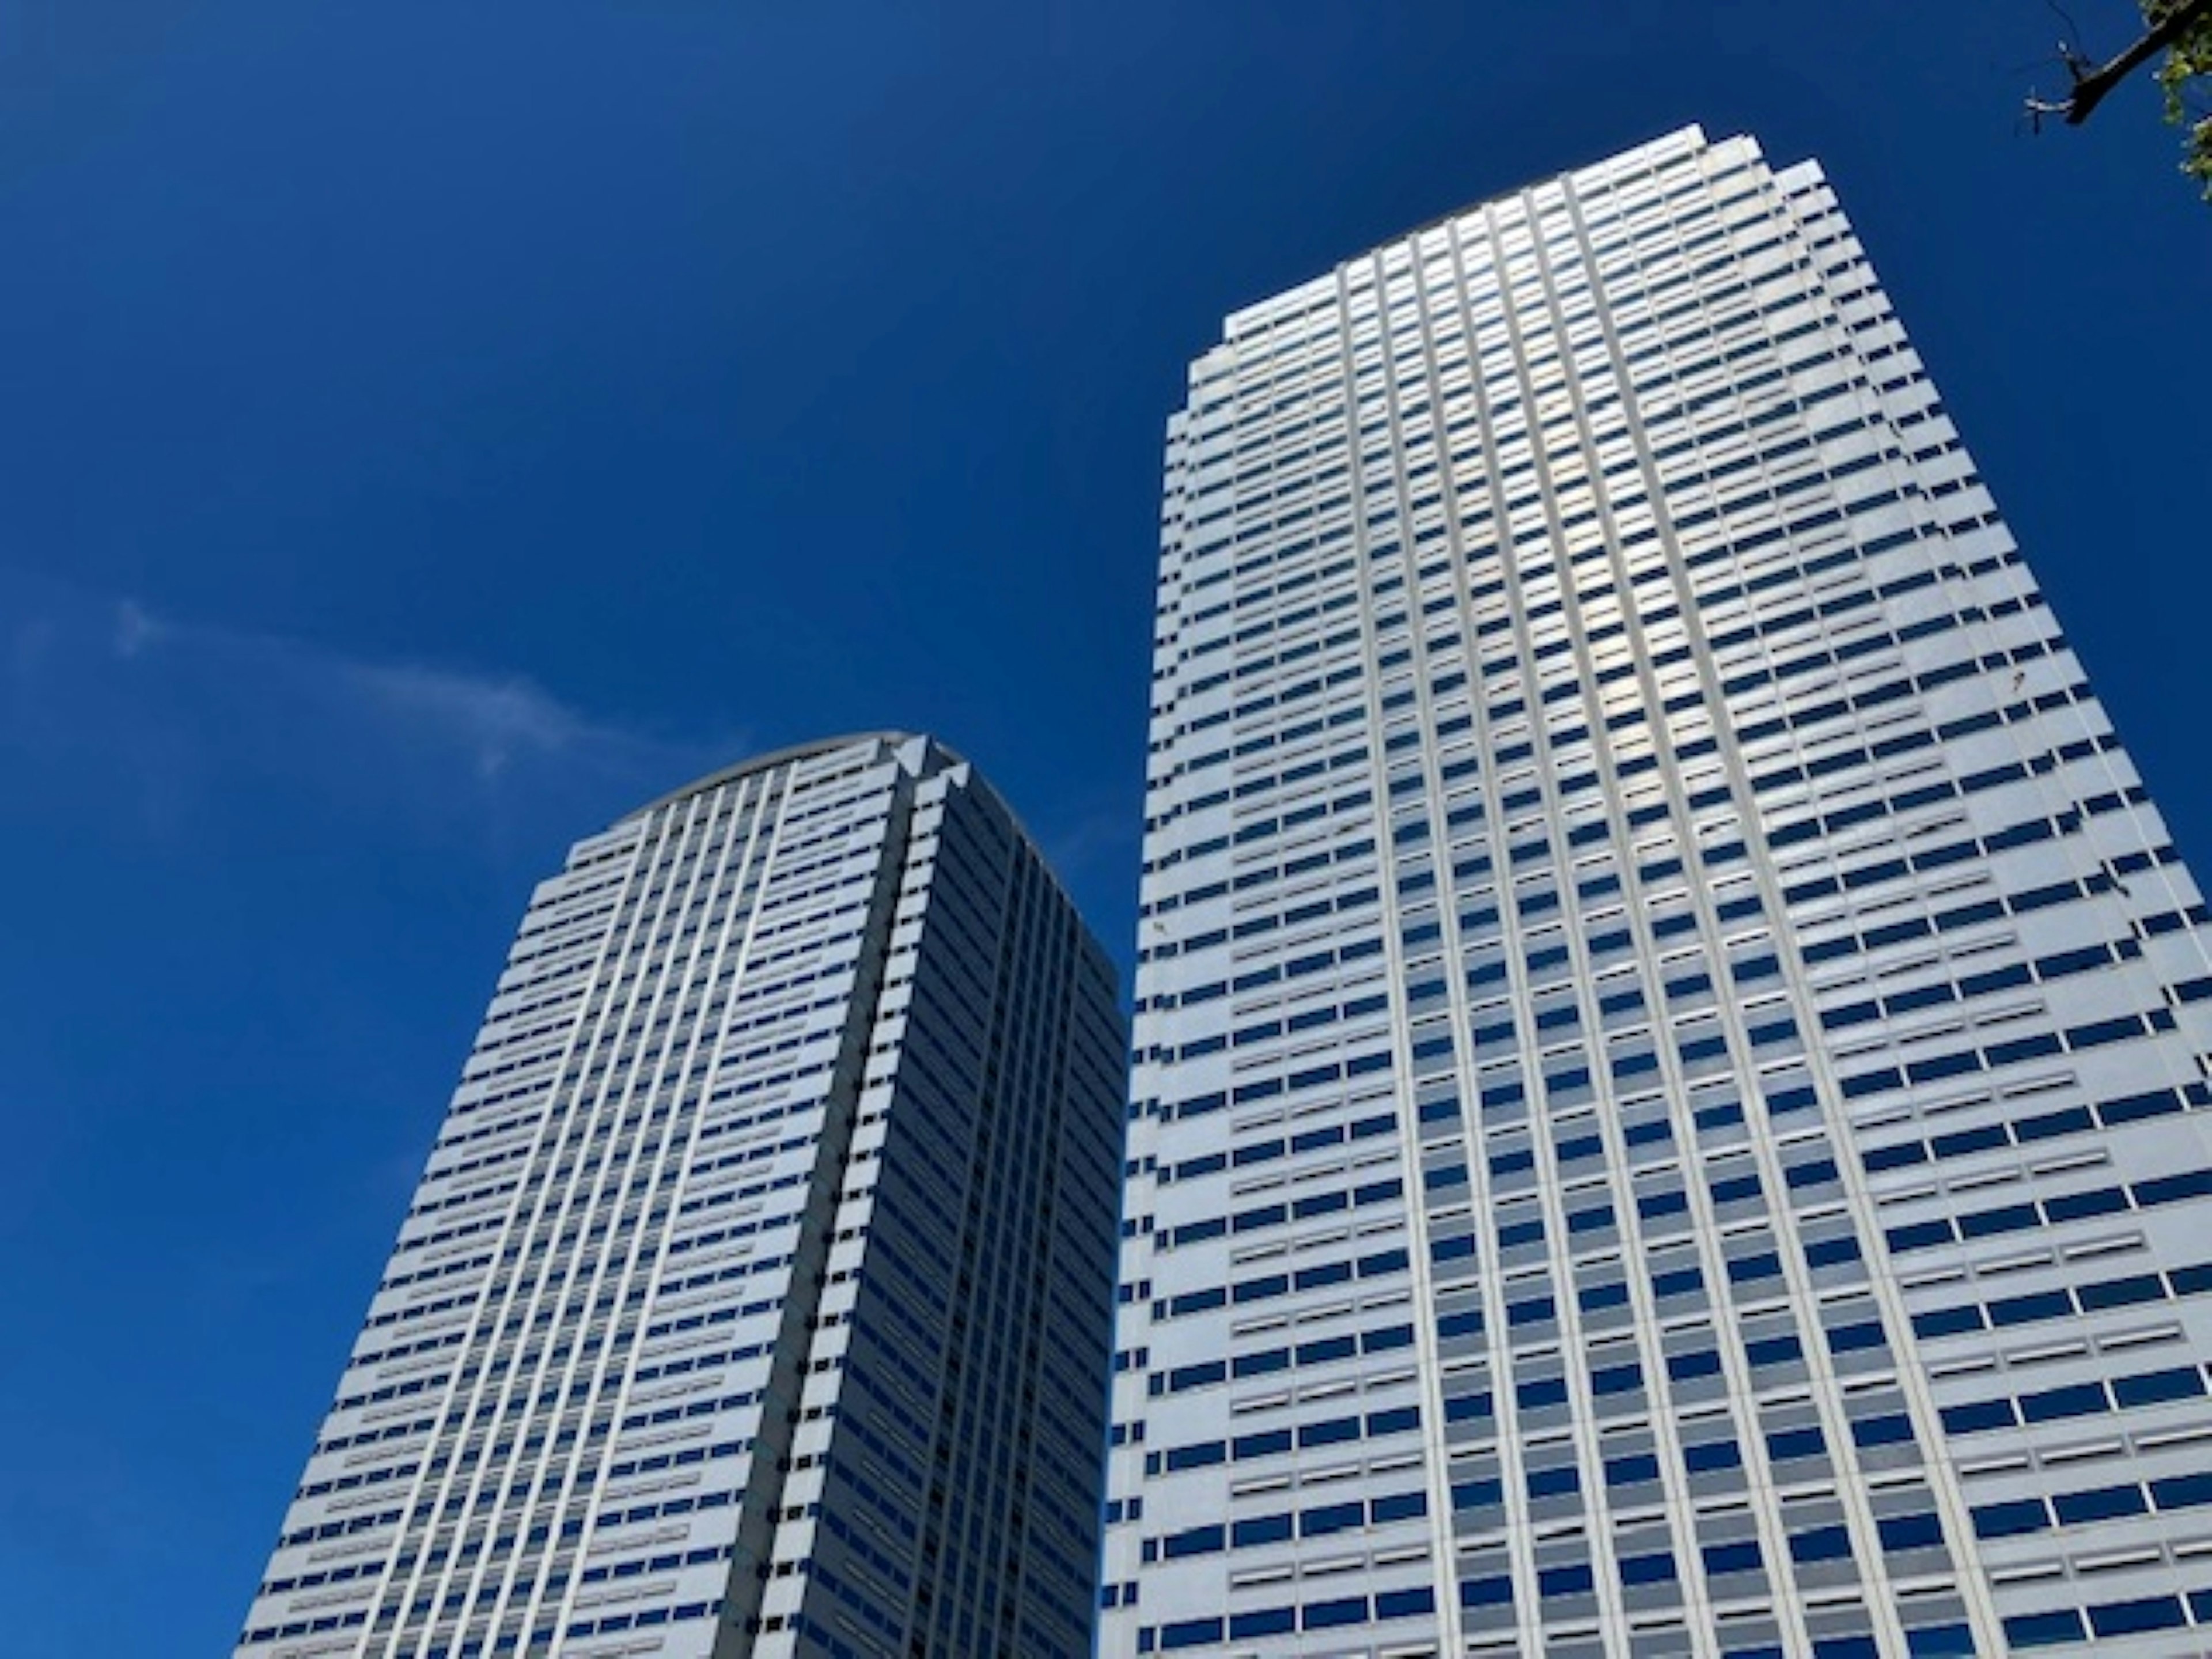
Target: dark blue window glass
1976,1415
1893,1428
2183,1491
1946,1321
1683,1366
2131,1617
1478,1494
2080,1400
1821,1544
1332,1615
1190,1633
1198,1540
1831,1252
1910,1532
2010,1520
2185,1383
1740,1557
2044,1629
1262,1529
1331,1518
2029,1309
1486,1592
1786,1444
2101,1504
1630,1471
1764,1265
1404,1603
1709,1456
1939,1642
1399,1506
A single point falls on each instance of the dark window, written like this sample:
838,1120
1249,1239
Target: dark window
2128,1618
1554,1483
1821,1544
2101,1503
1910,1532
2184,1383
2010,1520
1577,1580
1741,1557
1330,1615
1486,1592
1654,1569
2044,1629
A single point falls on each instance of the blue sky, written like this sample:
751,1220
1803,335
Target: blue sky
428,431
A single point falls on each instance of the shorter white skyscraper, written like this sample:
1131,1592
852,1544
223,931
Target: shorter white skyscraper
755,1299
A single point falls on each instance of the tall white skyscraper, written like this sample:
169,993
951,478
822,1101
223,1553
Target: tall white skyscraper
1669,1112
755,1299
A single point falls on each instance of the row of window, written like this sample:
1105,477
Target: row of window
1317,1076
644,1619
2063,964
1281,1526
2141,1616
1831,658
263,1634
1266,1287
2082,1400
1785,1443
1478,1500
1259,831
1321,1350
2095,1296
1931,861
1339,1612
1354,1429
1964,1062
1957,917
1250,1152
1945,1641
2051,1211
2039,1126
1335,1201
1272,476
2086,1507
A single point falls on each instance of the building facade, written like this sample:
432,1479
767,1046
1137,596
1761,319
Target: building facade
756,1299
1671,1049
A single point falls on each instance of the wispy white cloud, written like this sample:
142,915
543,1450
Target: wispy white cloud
135,629
496,721
183,717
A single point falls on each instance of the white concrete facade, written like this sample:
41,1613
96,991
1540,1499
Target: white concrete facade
1669,1104
782,1179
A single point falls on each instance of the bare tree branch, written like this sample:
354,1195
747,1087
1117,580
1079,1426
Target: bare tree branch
2070,48
2092,85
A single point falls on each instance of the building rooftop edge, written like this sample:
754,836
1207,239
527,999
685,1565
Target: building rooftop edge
784,756
1692,133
